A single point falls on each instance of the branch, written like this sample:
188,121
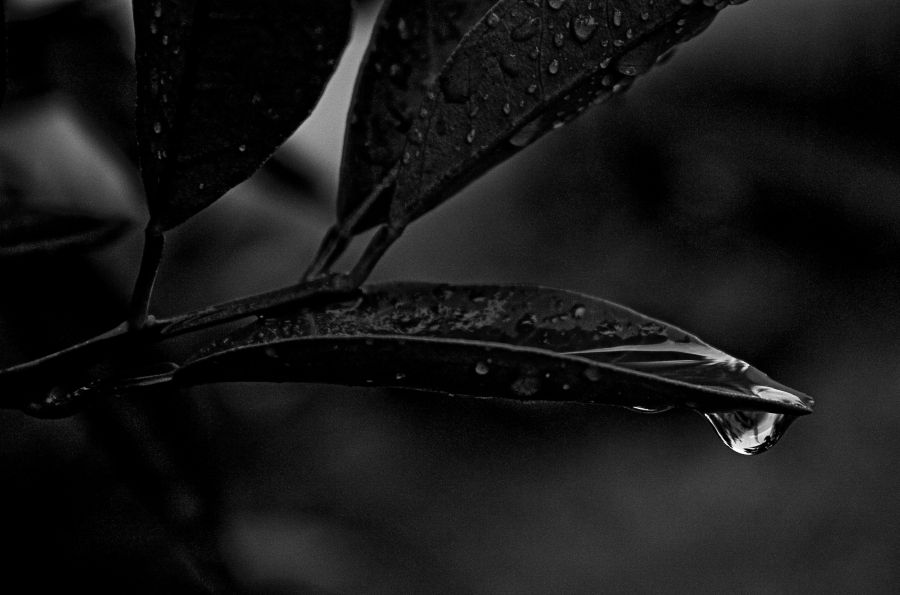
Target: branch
50,386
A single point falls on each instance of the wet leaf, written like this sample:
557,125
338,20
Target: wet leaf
410,42
29,231
221,84
526,68
517,342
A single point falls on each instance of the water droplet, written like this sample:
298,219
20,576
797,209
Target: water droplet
509,64
583,27
470,137
399,376
526,30
157,127
578,311
559,39
526,134
526,323
526,386
256,99
455,83
637,61
592,374
532,88
481,368
493,19
402,29
507,108
749,432
242,148
617,17
165,40
553,67
555,4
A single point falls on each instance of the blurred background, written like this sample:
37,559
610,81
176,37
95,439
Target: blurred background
746,190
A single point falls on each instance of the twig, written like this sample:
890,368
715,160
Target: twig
154,243
125,339
338,236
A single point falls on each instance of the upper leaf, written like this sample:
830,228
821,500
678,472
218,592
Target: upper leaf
526,68
516,342
410,43
221,84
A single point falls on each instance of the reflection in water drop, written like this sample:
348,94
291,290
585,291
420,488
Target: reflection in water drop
749,432
696,363
659,409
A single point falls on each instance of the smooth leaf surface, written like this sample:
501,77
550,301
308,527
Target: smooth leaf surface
221,84
410,43
526,68
518,342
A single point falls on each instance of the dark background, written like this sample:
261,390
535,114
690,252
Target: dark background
746,191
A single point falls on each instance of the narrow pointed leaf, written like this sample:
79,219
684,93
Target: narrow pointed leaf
518,342
221,84
411,41
526,68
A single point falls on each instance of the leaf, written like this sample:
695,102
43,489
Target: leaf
517,342
410,42
221,84
526,68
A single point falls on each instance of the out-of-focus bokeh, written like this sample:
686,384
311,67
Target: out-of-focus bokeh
747,190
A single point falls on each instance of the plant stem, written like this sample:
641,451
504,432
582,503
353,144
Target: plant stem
124,337
384,238
154,243
338,236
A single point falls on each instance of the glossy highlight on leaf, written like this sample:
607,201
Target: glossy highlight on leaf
410,43
530,66
517,342
221,84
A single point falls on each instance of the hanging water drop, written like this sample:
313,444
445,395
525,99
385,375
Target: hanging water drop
749,432
553,67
